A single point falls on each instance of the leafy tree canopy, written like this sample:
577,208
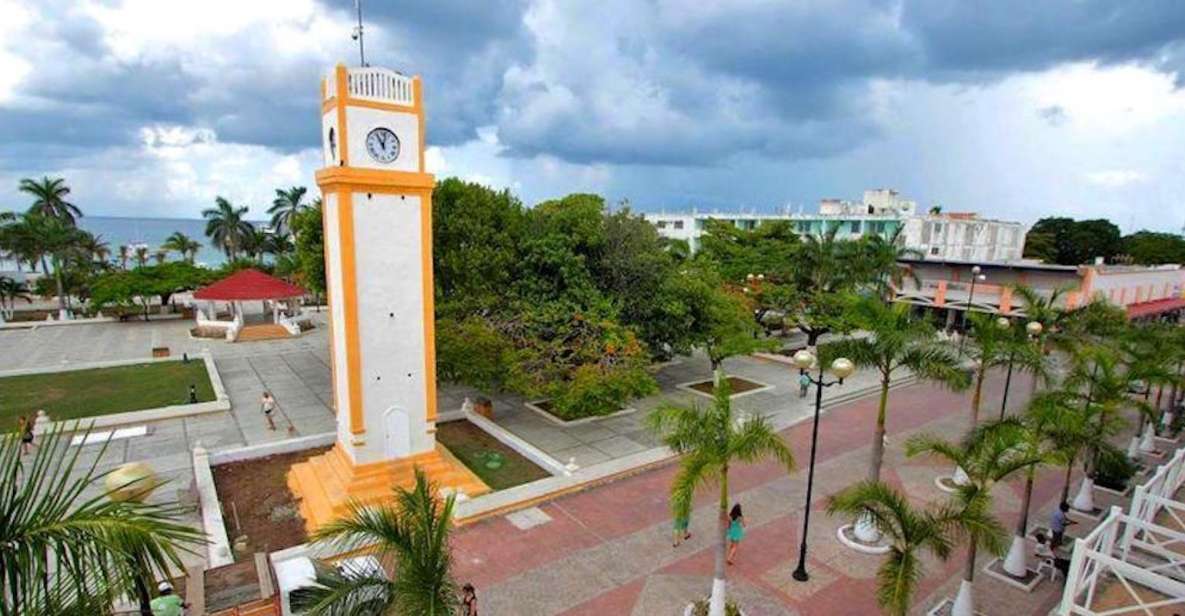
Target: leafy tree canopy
1066,241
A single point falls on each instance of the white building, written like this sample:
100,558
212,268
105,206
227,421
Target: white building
881,212
965,237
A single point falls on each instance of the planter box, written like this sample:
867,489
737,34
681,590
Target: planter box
559,421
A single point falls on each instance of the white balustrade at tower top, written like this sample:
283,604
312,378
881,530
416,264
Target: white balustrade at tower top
374,84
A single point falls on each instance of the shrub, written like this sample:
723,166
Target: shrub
597,390
1114,471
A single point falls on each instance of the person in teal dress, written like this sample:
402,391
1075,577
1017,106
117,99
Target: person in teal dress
736,531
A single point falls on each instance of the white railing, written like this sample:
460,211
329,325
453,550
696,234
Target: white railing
1101,565
380,84
1162,485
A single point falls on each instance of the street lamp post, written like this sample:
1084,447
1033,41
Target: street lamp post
1032,330
841,368
975,275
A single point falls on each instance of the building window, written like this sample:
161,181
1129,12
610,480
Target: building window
662,224
933,250
678,224
854,227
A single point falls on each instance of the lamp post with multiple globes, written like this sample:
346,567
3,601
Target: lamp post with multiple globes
841,368
1033,330
975,276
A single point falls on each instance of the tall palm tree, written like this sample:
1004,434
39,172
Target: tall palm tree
11,291
910,531
896,341
56,238
287,204
94,248
49,198
988,456
62,552
125,253
226,227
998,342
413,534
160,256
709,441
183,245
823,271
256,243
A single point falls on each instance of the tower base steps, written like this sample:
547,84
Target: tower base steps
325,485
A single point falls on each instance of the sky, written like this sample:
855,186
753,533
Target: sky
1015,109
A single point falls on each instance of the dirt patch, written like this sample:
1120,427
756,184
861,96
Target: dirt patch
736,383
499,466
256,502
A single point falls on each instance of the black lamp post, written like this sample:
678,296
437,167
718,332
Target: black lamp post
841,368
975,275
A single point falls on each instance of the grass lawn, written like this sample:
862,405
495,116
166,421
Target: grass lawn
102,391
473,446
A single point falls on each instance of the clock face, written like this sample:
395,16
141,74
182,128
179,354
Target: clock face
383,145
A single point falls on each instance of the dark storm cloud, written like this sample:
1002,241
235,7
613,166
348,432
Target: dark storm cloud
635,83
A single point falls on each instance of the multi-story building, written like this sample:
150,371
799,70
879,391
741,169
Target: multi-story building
965,236
881,212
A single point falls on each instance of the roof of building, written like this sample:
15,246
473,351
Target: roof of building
248,284
1144,309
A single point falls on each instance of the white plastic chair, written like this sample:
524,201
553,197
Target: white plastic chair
1048,564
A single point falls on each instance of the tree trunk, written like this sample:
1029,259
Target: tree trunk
1066,487
1022,523
878,437
717,600
975,397
57,276
717,374
969,571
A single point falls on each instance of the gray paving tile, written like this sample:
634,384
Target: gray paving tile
618,446
584,455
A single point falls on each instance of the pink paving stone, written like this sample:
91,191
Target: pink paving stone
620,600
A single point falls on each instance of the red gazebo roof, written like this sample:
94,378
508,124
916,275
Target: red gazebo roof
248,284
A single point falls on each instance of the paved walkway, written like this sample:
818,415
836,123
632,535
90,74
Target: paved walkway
607,550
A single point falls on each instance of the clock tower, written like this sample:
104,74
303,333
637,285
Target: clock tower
377,202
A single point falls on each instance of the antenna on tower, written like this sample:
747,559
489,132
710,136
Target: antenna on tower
357,35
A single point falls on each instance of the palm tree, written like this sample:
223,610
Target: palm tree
910,530
987,455
881,258
49,199
709,441
11,291
183,245
226,227
95,248
141,256
125,253
895,340
58,239
413,535
1036,436
160,256
822,272
256,243
287,204
64,552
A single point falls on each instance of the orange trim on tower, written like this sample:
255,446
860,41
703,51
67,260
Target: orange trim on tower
418,90
342,81
429,291
329,303
328,104
398,182
345,216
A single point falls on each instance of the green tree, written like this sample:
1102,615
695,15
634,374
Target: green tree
881,260
49,199
183,245
769,249
413,533
285,207
988,455
825,269
718,320
64,552
709,442
910,531
473,352
1153,248
1074,242
477,236
893,340
10,291
226,227
309,249
57,238
137,287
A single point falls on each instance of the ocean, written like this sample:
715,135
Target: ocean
117,231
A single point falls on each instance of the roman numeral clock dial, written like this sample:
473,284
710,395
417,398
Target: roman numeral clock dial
382,145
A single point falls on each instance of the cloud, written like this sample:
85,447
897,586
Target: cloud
1055,115
1116,178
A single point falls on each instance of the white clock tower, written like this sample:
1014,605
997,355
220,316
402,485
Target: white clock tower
377,202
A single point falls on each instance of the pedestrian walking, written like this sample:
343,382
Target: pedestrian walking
268,404
682,523
468,600
25,426
804,385
1058,523
167,604
736,531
